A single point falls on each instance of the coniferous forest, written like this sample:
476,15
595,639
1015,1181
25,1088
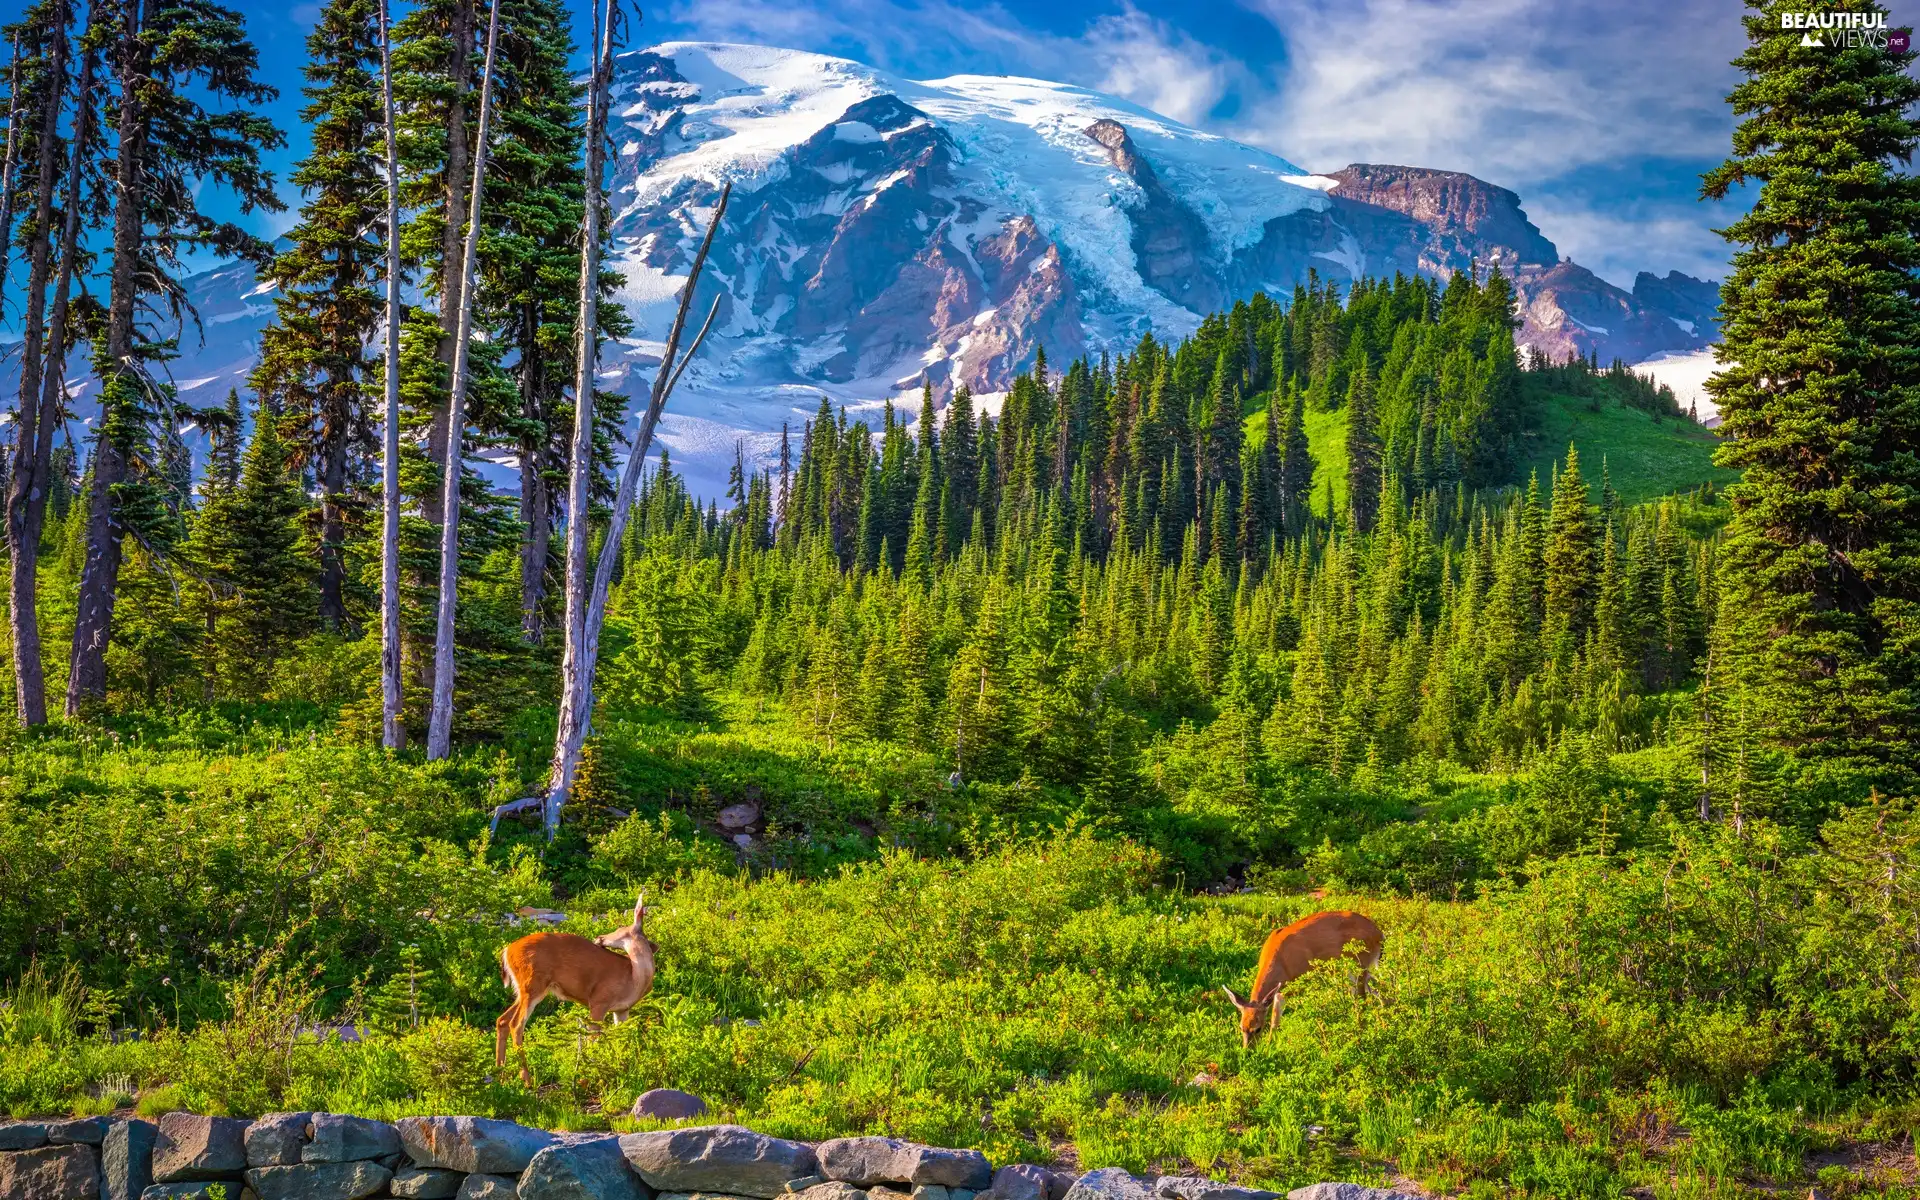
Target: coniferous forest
967,747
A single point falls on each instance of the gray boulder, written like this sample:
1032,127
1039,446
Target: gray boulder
699,1196
1198,1187
336,1139
1020,1181
86,1131
50,1173
1347,1191
475,1145
481,1186
319,1181
23,1135
590,1169
863,1161
717,1158
933,1191
191,1147
425,1183
831,1190
126,1159
1108,1183
275,1140
669,1104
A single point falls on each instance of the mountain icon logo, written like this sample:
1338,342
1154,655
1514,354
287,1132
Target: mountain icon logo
1807,39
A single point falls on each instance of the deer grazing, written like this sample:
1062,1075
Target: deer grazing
1292,952
589,971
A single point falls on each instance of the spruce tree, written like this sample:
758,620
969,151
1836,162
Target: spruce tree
315,371
1363,452
246,546
1819,394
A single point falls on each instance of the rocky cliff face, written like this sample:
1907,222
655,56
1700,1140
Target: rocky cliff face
1468,221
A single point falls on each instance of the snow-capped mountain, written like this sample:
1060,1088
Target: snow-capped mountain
882,230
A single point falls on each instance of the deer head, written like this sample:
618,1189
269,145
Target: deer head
1250,1017
630,938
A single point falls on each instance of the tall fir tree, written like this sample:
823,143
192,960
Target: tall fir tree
1819,394
315,372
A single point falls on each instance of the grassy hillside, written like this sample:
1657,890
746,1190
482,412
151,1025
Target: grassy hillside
1646,458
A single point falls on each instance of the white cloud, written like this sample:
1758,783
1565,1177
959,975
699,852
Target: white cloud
1154,65
1616,245
1514,91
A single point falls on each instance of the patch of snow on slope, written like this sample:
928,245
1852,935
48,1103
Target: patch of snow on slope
1687,375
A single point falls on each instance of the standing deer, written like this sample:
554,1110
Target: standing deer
589,971
1292,952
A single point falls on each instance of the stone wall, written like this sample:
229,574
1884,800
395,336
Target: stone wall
325,1156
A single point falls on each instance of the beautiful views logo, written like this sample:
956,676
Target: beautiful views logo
1847,30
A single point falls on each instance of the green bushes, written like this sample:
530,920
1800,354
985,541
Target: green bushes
1702,1012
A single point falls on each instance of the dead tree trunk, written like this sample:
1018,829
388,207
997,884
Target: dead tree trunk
392,732
580,464
440,718
574,734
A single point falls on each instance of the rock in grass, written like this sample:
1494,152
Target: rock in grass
319,1181
481,1186
50,1173
863,1161
334,1139
1108,1183
23,1135
587,1169
1196,1187
425,1183
190,1147
126,1159
717,1158
1346,1191
475,1145
85,1131
276,1139
669,1104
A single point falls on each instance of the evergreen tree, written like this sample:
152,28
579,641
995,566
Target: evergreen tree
315,372
167,58
245,543
1363,452
1819,394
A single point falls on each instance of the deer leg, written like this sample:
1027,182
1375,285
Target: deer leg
528,1003
1279,1002
1366,972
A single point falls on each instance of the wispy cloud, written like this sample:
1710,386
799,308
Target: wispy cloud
1515,90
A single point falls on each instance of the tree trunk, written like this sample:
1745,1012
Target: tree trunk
536,509
440,718
579,713
392,732
453,280
100,576
580,461
333,523
6,166
33,447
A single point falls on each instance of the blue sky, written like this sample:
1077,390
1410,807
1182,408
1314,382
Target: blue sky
1601,113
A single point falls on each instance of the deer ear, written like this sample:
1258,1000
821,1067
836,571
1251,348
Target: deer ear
640,908
1237,1001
